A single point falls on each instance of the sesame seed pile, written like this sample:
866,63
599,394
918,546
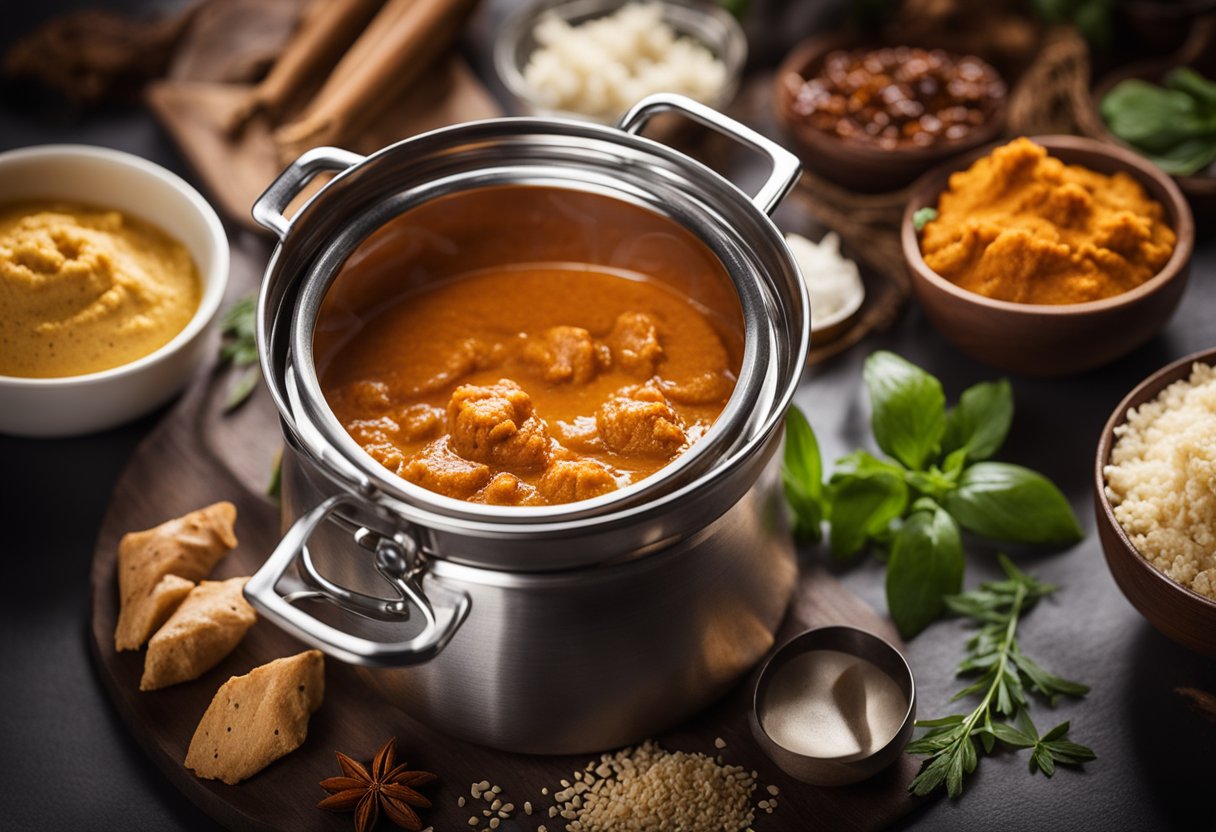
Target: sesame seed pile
649,788
497,809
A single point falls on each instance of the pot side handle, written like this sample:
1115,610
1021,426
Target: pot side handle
395,561
786,167
268,210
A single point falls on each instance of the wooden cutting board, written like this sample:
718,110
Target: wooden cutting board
198,455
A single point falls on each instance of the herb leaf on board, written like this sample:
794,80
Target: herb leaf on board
909,408
937,468
926,565
862,506
949,744
239,348
802,475
981,421
1008,502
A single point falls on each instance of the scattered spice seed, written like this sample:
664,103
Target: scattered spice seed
719,743
774,791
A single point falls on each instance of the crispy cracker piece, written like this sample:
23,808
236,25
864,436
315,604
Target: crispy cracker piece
187,547
257,718
207,626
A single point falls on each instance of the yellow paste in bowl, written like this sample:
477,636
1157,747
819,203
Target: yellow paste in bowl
85,289
1022,226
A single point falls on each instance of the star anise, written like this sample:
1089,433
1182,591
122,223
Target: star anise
387,787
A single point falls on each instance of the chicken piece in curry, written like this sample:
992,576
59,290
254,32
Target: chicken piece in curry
532,384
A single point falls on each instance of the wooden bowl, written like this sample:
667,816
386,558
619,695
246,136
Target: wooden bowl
1181,614
1053,340
851,164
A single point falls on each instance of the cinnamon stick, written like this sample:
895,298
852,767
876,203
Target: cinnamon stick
328,28
397,47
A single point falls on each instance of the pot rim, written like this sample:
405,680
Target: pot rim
431,510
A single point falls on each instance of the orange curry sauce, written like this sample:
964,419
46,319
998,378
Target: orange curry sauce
527,346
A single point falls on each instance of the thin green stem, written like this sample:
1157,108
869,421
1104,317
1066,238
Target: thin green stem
1011,629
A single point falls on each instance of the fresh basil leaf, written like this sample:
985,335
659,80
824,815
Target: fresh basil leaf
932,483
1009,502
926,565
864,464
953,464
1185,79
862,506
802,475
909,409
1187,157
980,422
1152,118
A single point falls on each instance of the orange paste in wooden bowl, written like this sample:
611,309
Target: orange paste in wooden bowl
527,345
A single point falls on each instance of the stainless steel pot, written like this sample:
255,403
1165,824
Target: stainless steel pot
557,629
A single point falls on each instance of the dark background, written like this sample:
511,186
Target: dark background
67,763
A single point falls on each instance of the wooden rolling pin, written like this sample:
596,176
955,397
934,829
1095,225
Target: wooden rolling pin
400,43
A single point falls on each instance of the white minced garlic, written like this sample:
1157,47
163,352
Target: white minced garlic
603,67
832,279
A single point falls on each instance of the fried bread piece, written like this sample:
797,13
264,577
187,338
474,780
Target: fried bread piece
257,718
207,626
158,567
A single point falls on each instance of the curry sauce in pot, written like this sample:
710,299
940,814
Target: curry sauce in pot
528,345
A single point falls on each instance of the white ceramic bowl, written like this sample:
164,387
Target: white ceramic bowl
111,179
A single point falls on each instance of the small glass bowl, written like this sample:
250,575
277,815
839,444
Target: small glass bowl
708,24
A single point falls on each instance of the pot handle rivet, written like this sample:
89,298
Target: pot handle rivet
786,167
276,588
269,208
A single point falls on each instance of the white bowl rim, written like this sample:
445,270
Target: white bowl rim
212,289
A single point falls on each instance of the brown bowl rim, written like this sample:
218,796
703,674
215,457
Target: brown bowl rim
815,47
1153,385
1184,229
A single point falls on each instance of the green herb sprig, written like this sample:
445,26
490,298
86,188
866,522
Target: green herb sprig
1174,126
1003,674
937,480
240,349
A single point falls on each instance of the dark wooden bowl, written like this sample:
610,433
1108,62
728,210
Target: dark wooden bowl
1053,340
1179,613
853,165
